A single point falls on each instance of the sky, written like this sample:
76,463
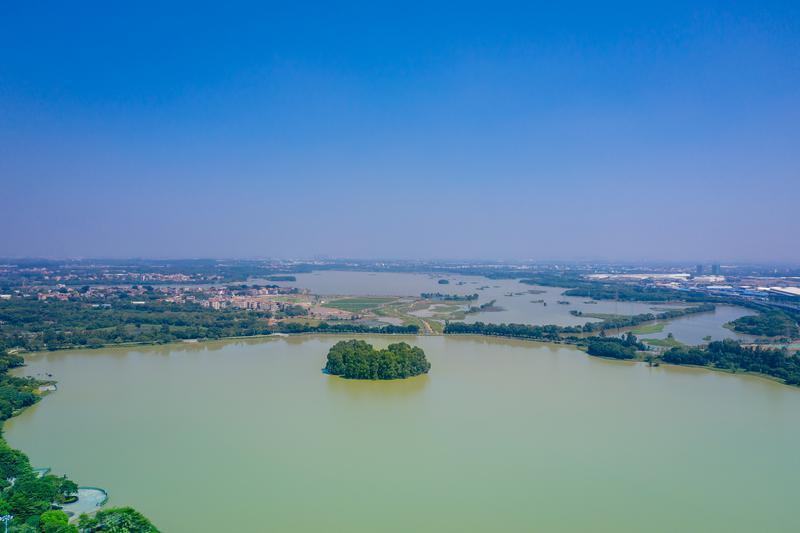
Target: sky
634,131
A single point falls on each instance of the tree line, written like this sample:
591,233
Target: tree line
520,331
731,355
552,332
615,347
771,323
33,326
344,327
725,355
635,320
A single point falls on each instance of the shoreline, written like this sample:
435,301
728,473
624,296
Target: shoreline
553,343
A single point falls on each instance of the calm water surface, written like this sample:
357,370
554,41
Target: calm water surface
500,436
694,328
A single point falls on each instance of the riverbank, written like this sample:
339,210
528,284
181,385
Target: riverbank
573,339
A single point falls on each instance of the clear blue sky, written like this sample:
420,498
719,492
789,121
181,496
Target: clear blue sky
587,130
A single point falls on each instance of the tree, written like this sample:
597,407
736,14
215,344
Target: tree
67,488
24,506
12,462
608,347
117,520
55,522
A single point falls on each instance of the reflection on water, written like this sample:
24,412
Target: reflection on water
376,391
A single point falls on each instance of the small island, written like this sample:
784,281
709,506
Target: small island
448,297
358,360
487,307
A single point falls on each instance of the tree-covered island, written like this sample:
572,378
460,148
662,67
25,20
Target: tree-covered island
356,359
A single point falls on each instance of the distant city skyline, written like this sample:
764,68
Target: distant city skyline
687,266
613,132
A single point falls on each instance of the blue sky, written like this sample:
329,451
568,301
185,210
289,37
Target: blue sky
621,131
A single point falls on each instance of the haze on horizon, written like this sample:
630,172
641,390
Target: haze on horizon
621,131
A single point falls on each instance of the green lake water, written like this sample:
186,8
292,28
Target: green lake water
500,436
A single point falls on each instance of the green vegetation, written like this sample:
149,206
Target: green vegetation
52,325
294,310
669,342
358,360
521,331
732,356
120,519
614,322
56,521
281,278
345,327
547,279
448,297
600,316
357,305
625,293
614,347
30,497
649,328
554,333
726,355
23,493
770,323
618,348
599,290
400,310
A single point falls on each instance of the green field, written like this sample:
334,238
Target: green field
648,328
602,316
669,342
357,305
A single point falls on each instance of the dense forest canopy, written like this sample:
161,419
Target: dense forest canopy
771,323
123,519
356,359
730,355
615,347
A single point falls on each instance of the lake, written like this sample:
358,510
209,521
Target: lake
502,435
518,305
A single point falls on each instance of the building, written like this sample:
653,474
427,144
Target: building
790,292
